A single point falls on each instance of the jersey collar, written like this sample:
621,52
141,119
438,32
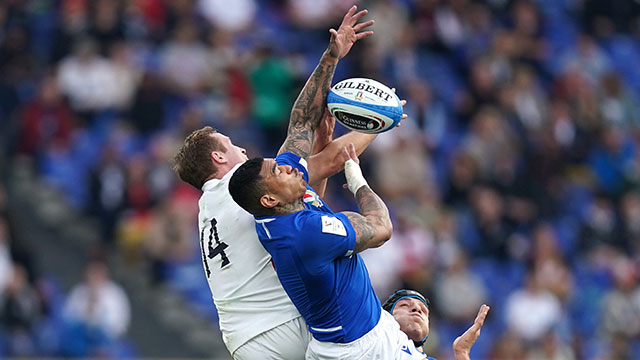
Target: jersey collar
211,184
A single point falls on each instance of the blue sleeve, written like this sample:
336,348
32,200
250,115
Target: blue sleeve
329,236
295,162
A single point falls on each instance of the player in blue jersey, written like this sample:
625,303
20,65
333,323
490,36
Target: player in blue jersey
411,311
315,253
257,319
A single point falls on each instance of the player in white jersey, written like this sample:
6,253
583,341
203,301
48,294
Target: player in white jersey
257,319
411,310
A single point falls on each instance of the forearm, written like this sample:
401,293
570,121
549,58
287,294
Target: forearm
308,108
329,161
371,205
359,140
374,227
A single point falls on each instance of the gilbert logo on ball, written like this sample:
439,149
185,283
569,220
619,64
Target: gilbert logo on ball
364,105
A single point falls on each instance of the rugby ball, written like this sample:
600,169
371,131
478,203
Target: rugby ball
364,105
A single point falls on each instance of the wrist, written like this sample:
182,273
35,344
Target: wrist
353,174
330,57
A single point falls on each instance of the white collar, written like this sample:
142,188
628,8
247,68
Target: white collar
212,183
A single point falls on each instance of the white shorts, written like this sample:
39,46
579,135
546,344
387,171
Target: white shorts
384,342
288,341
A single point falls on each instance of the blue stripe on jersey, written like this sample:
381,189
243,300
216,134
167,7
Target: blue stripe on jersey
331,291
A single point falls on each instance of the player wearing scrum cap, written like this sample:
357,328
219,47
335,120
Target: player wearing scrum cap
257,319
411,311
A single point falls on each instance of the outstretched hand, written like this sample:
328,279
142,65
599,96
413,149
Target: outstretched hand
403,102
348,33
463,343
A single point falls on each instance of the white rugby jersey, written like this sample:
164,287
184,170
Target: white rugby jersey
245,288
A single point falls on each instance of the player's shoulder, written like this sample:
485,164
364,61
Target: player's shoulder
318,223
287,158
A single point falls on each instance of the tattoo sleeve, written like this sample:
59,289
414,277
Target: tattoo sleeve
309,107
373,224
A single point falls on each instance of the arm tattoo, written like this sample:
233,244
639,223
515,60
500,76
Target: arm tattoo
308,109
374,218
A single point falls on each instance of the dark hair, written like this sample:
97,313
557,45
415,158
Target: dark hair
246,188
193,161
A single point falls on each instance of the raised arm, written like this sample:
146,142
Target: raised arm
373,224
463,343
323,136
309,106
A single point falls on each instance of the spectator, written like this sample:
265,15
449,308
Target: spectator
532,311
272,84
552,348
5,256
86,78
553,271
184,62
46,121
621,305
147,110
229,16
108,187
20,308
459,292
98,310
107,27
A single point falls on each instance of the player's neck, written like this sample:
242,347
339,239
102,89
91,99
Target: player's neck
288,208
220,173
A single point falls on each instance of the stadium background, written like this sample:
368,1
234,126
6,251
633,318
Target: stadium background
514,181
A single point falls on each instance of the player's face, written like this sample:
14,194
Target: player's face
234,154
283,181
413,317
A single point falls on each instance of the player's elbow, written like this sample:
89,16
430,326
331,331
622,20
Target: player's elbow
388,231
384,234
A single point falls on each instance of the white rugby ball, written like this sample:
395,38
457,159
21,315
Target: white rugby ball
364,105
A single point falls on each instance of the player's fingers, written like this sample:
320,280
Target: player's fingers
363,25
354,19
345,154
403,102
363,35
404,116
393,89
352,153
482,314
347,16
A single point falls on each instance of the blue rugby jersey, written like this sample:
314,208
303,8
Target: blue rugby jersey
312,252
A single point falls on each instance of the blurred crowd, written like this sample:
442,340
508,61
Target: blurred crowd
514,182
36,317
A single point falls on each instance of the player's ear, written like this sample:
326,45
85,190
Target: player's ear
268,201
218,157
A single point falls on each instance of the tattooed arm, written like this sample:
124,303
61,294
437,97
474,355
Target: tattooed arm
309,106
373,224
